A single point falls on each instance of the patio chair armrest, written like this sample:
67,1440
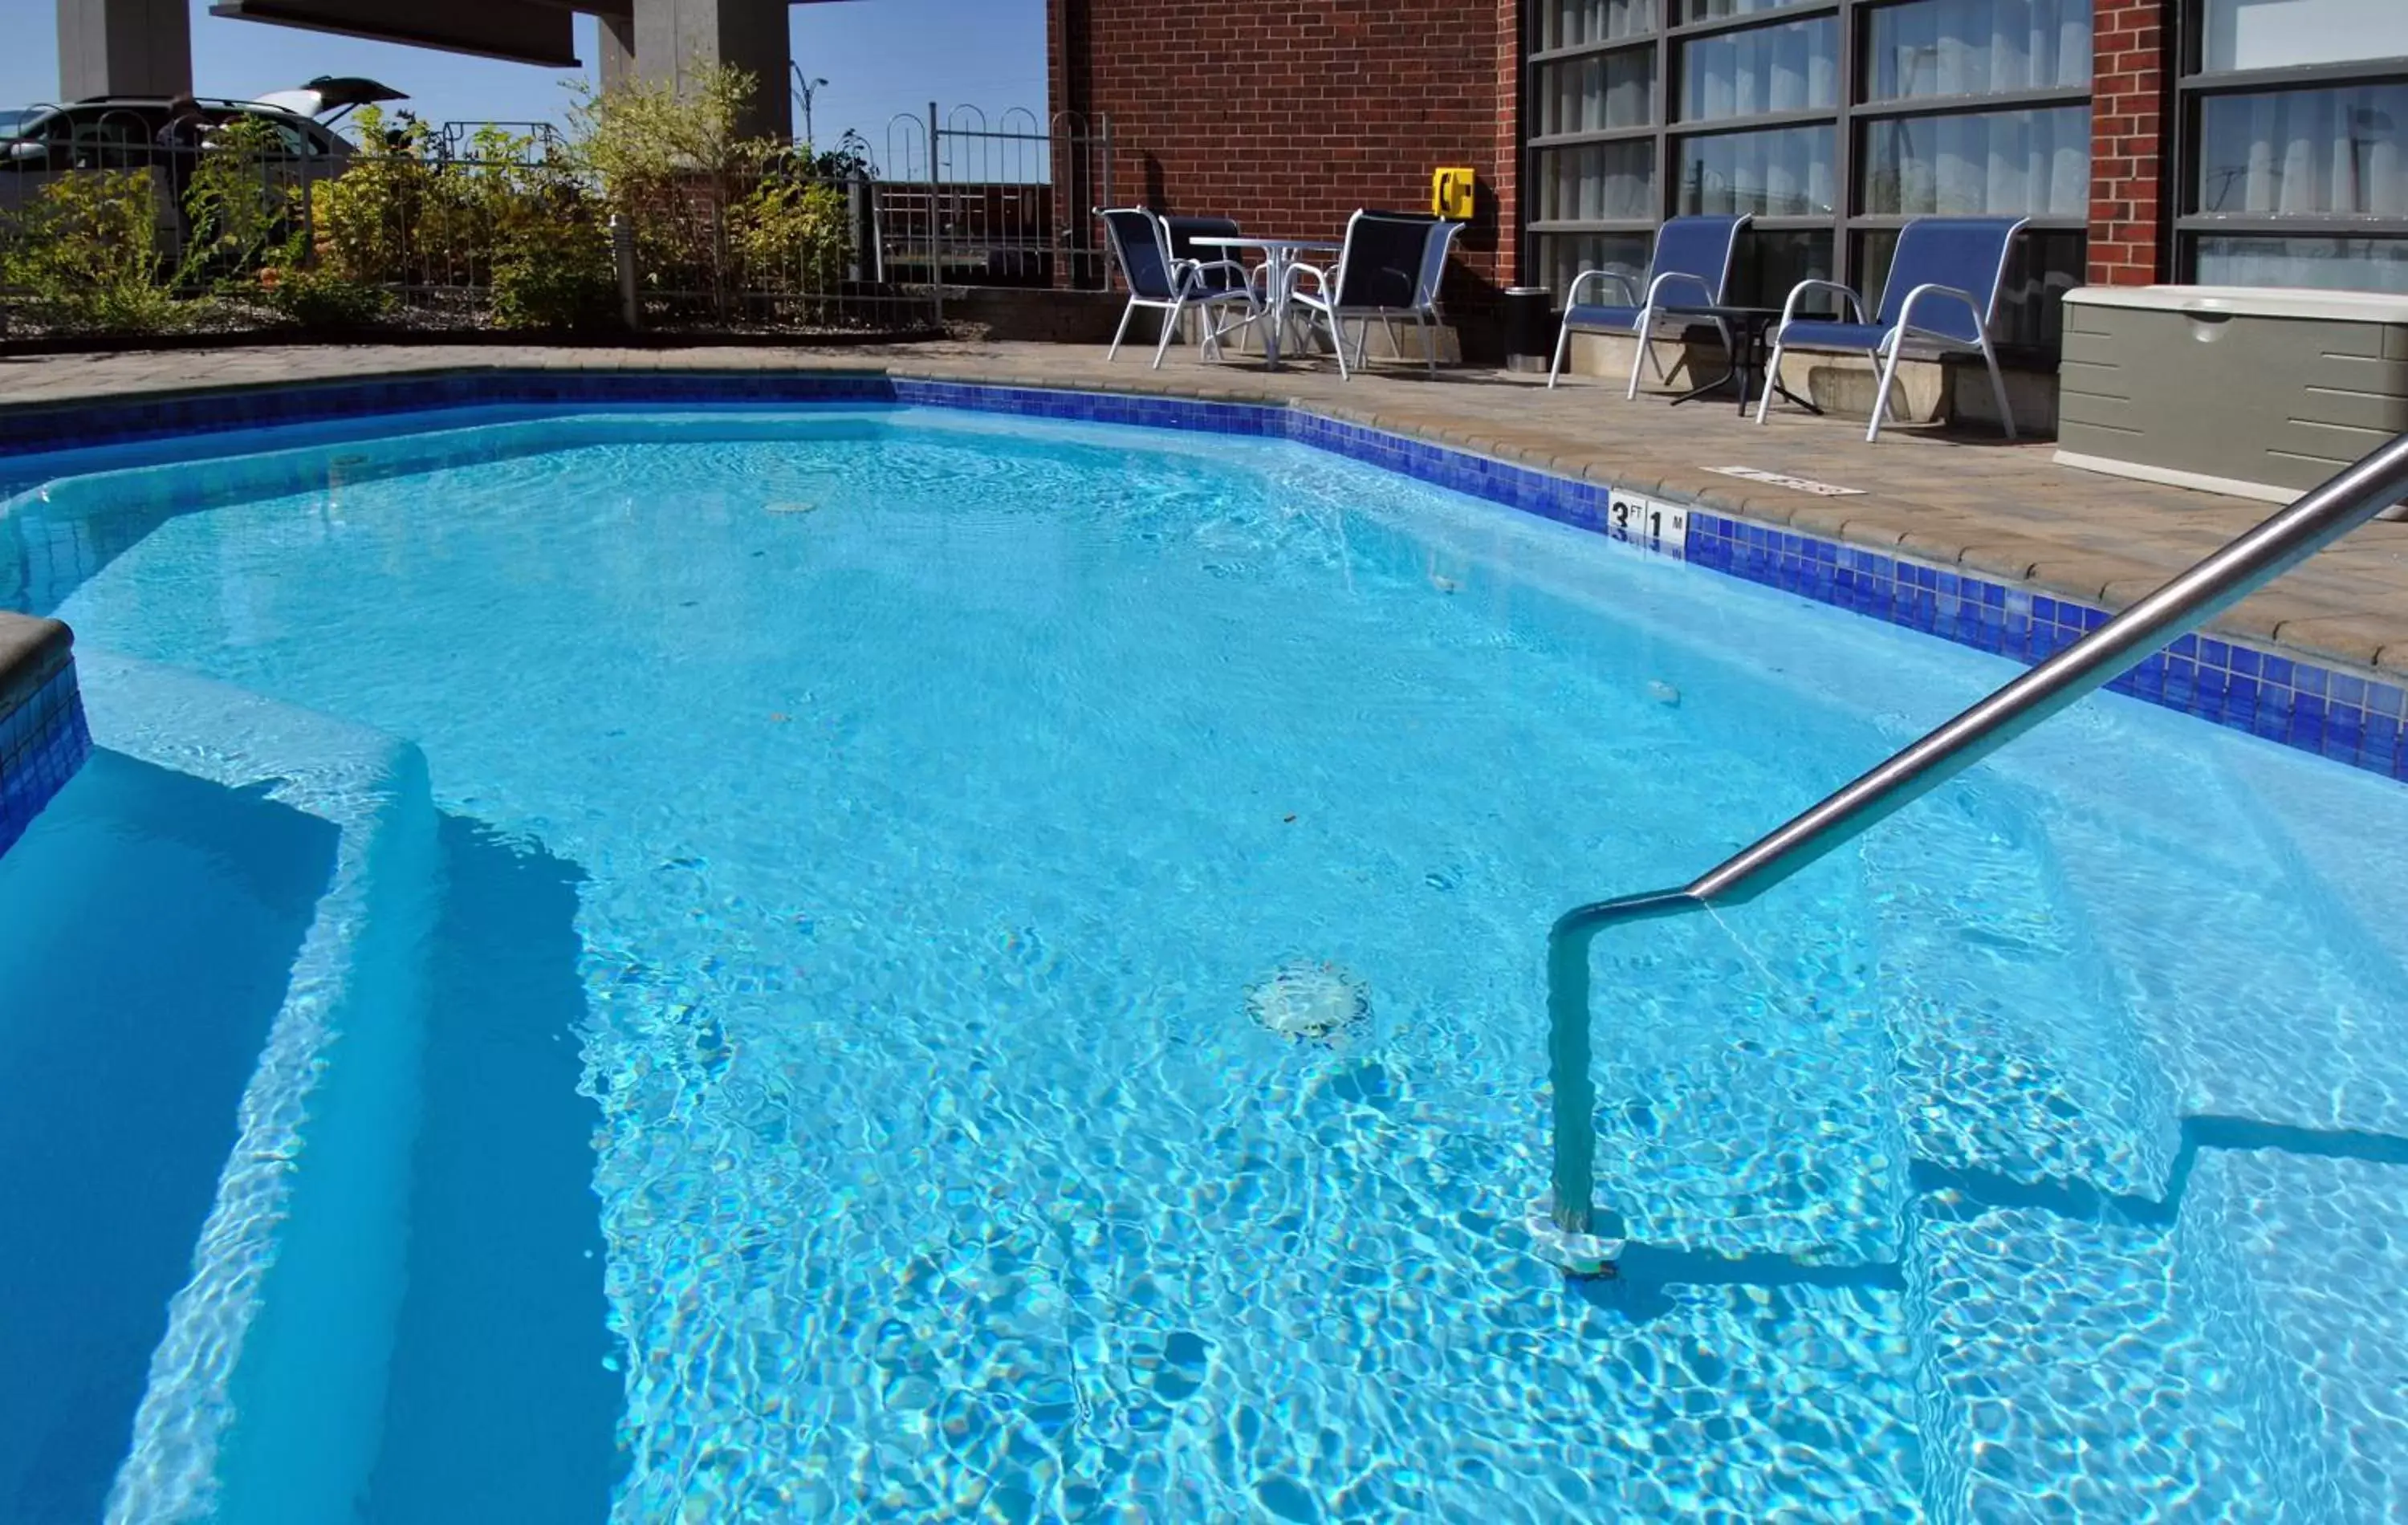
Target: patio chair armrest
1678,277
1193,271
1630,290
1320,276
1933,289
1789,307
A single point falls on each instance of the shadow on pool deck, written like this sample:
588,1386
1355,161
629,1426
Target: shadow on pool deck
148,922
499,1407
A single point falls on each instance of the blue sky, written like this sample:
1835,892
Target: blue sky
879,56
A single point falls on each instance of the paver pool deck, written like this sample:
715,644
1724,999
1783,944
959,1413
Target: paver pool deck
2008,511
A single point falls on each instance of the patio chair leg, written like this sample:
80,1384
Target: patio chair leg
1563,341
1999,389
1337,341
1169,326
1881,394
1122,332
1363,340
1771,381
1429,342
1645,352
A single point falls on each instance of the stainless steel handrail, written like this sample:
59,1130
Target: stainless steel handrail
1566,1223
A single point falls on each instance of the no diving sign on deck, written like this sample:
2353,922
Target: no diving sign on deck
1796,484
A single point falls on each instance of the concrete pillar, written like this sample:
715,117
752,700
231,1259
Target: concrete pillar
124,48
616,43
674,36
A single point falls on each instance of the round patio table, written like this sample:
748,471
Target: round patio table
1279,258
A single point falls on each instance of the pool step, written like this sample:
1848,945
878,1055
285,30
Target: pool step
1734,1119
2014,1056
2104,1369
2323,1242
265,1395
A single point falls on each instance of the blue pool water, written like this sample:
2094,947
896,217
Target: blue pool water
787,896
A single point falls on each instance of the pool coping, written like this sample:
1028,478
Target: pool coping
2352,713
43,736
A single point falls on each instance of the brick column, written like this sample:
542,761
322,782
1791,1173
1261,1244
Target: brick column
1508,145
2131,120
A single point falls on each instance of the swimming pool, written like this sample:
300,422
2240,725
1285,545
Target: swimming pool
723,956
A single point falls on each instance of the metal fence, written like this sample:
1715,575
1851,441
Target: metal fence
461,224
1000,202
786,247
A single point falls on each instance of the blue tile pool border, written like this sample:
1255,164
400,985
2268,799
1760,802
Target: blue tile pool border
2338,713
43,739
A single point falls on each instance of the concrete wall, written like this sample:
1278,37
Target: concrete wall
123,48
1841,384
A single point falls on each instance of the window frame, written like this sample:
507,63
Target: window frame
1848,221
2195,84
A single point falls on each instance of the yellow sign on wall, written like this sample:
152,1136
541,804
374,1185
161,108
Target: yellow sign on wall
1451,193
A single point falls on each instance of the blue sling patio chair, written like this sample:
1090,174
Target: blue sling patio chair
1390,267
1942,293
1691,269
1171,286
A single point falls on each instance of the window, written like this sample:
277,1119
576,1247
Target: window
2031,162
2281,33
2294,168
1829,122
1761,70
1975,47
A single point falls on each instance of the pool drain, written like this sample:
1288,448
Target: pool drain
1302,1000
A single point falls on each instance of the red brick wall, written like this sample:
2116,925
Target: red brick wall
1289,114
2131,119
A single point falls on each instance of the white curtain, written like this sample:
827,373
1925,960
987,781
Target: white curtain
1792,67
2322,264
1989,162
1978,47
1784,173
2306,152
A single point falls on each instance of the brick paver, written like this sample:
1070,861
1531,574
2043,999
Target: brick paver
2006,510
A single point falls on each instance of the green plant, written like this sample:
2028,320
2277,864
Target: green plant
85,251
554,273
360,215
320,298
236,208
792,237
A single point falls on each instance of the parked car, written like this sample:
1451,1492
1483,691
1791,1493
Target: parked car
127,132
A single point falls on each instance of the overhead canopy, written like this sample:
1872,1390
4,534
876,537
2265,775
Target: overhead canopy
521,30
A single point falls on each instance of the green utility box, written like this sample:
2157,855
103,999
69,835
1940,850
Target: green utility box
2259,393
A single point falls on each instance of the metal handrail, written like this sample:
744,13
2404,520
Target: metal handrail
1566,1223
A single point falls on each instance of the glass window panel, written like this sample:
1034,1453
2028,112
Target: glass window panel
1790,67
1783,173
2036,162
1975,47
1573,23
2044,264
1591,94
2305,152
1769,263
1565,255
1597,182
2276,34
2326,264
1714,11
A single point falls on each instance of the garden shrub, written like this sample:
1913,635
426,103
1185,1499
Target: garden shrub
85,252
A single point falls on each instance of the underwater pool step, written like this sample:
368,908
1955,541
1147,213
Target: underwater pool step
2125,1363
2014,1055
263,1395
